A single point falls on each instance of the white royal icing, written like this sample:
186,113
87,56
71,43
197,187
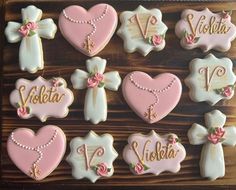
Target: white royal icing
31,53
212,164
95,106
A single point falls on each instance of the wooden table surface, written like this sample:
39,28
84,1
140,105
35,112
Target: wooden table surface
61,59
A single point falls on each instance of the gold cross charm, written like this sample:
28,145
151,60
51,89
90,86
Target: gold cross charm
34,171
150,114
88,44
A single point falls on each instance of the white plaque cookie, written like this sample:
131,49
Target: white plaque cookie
142,30
92,156
211,79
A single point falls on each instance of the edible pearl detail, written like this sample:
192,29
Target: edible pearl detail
35,149
150,90
90,22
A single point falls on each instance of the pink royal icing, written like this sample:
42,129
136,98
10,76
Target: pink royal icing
88,31
153,153
206,30
154,97
37,155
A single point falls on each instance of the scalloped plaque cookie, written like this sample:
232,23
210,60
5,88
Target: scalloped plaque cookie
211,79
41,98
88,31
213,136
29,32
151,98
153,153
142,30
206,30
92,156
37,155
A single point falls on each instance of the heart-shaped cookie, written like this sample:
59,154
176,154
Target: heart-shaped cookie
37,155
151,98
88,31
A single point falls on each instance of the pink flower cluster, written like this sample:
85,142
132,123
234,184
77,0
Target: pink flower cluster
101,169
56,82
216,136
26,28
190,39
226,15
94,80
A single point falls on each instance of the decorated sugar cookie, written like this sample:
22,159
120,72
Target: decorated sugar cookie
92,156
142,30
95,106
206,30
29,33
37,155
211,79
212,164
41,98
88,31
151,98
153,153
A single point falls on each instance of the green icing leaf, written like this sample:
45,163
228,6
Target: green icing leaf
18,105
31,33
145,167
101,84
28,110
196,39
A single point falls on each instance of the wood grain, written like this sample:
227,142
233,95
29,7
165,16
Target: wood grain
61,59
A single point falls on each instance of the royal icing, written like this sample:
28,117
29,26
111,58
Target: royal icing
156,96
211,79
142,30
212,164
95,106
41,98
37,155
92,156
30,33
153,153
206,30
88,31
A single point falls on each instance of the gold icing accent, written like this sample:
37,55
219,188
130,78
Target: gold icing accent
161,152
45,95
213,27
83,149
217,71
142,25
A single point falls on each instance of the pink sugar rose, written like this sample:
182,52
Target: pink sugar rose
227,91
139,168
156,40
190,38
31,25
172,139
91,82
22,111
99,77
219,132
102,169
213,138
24,31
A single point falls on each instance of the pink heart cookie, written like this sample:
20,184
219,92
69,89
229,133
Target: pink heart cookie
151,98
88,31
37,155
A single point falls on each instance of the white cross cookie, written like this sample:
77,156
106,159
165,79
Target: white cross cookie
29,33
95,106
212,164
